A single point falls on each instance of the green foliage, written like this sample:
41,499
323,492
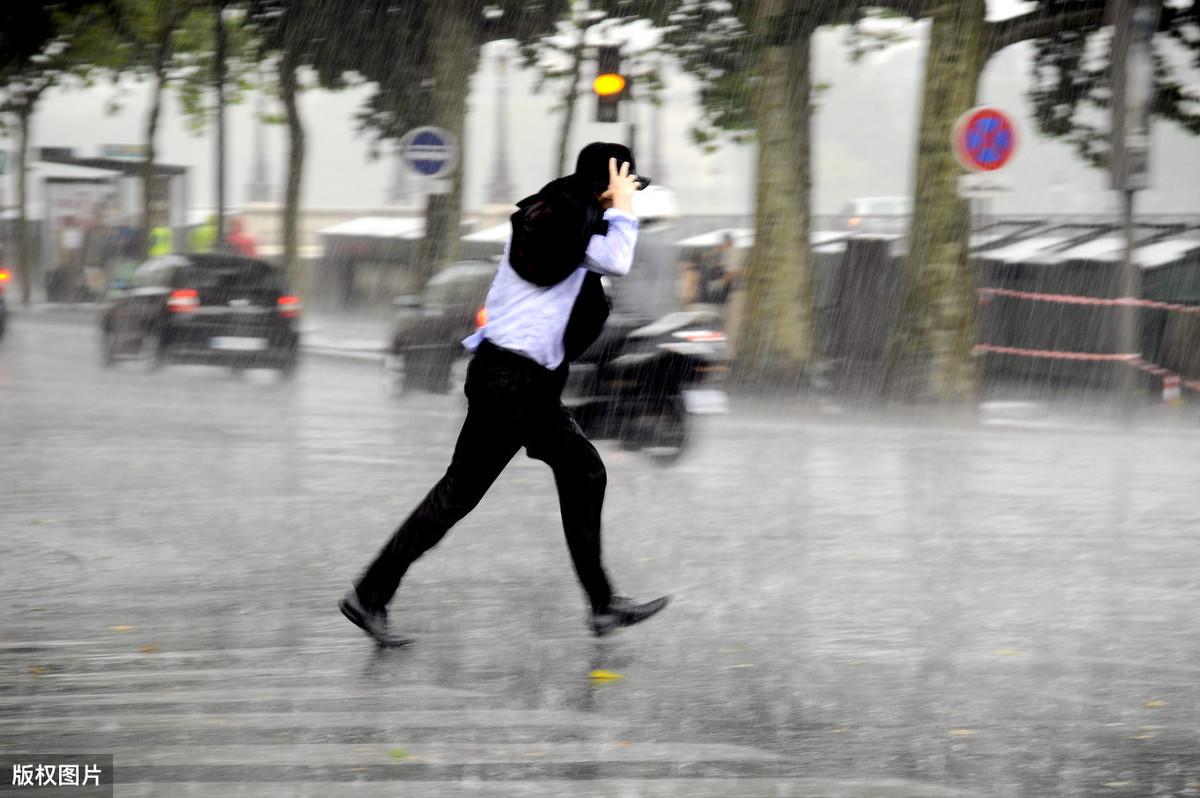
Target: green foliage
869,33
391,46
39,47
1070,83
551,55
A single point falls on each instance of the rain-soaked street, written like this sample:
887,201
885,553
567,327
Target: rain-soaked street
916,607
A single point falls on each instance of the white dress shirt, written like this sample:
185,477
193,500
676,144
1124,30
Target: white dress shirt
530,319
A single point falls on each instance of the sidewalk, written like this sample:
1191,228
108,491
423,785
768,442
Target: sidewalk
357,337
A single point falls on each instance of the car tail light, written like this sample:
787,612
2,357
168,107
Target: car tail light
480,317
183,300
4,278
700,335
289,307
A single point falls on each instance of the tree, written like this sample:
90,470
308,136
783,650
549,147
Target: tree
161,39
36,52
753,61
930,354
421,57
296,34
936,329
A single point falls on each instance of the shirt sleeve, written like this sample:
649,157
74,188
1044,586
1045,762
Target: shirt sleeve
612,254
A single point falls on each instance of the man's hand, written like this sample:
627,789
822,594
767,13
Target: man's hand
621,186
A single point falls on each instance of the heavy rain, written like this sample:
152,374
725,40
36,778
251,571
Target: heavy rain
368,366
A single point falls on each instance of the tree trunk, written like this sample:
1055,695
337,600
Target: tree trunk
454,57
148,181
25,264
572,98
930,352
291,202
219,85
776,339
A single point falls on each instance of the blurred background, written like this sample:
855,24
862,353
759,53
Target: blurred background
899,398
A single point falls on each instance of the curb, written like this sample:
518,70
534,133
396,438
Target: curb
89,314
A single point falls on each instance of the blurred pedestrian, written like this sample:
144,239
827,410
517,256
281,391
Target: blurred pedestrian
239,240
161,241
733,275
203,237
545,306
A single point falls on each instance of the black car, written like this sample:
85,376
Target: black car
429,329
211,309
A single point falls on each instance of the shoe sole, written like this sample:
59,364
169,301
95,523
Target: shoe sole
356,618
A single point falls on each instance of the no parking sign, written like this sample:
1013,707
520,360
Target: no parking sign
985,139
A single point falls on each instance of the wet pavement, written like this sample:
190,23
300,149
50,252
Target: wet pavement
908,607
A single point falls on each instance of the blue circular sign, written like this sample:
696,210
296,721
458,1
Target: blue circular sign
429,151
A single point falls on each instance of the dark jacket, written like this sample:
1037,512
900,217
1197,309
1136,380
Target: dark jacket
551,231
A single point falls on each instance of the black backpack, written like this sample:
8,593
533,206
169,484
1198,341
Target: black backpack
550,233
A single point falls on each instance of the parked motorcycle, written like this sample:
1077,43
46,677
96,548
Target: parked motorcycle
639,383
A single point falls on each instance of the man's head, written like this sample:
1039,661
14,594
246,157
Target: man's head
591,167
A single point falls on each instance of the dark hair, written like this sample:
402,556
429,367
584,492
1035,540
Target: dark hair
591,167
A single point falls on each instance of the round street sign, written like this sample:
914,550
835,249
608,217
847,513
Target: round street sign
429,151
985,139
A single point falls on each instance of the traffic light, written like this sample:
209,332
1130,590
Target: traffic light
610,85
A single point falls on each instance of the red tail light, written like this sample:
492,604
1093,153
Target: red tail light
480,317
183,300
4,277
289,307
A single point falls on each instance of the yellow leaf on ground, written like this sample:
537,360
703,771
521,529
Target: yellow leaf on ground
121,627
838,731
149,648
398,753
1007,652
1154,703
604,676
962,732
1143,737
37,670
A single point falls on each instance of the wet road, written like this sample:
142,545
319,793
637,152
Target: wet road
909,608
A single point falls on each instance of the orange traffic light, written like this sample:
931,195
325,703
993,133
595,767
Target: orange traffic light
608,84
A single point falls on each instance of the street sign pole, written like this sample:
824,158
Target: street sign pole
3,208
1132,87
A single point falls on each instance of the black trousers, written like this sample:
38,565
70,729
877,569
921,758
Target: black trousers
511,402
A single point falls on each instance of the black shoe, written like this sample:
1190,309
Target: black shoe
624,612
373,622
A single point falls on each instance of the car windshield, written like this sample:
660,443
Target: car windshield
230,275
